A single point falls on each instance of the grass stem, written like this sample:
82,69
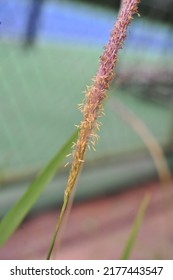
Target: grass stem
65,202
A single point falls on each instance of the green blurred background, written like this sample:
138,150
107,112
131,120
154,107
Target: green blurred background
49,52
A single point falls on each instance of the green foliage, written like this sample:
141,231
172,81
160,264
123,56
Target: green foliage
135,228
15,216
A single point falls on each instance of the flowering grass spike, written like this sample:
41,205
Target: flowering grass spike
92,107
95,94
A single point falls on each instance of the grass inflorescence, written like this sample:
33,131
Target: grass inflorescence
92,107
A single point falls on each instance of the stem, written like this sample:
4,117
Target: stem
147,137
65,202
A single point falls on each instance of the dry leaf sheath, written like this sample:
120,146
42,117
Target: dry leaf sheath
95,94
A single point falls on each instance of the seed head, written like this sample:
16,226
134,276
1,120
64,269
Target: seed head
92,107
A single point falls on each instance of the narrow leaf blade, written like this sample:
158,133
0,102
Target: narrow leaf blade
18,212
135,228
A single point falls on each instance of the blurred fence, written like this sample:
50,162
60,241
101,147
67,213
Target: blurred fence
49,51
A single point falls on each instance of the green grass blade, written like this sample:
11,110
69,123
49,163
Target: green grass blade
15,216
135,228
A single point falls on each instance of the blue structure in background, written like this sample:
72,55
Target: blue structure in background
66,22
